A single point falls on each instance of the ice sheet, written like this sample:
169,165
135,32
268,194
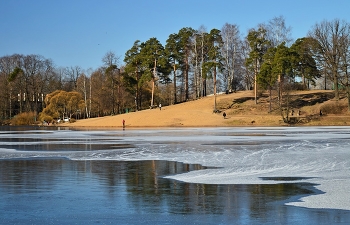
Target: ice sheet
318,155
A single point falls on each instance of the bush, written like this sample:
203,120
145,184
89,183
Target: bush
334,107
45,117
27,118
298,87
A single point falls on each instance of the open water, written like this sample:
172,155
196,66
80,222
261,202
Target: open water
175,176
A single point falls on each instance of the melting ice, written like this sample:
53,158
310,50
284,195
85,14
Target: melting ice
318,155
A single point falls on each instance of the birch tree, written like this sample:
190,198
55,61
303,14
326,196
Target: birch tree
230,51
202,49
278,32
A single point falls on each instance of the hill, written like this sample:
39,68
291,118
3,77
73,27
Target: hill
240,109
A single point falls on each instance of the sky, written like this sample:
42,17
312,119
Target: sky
81,32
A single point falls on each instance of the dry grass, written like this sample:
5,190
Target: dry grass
240,108
334,107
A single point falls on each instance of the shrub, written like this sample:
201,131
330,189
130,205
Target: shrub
45,117
334,107
27,118
298,86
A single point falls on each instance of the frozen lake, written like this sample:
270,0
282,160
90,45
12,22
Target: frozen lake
302,170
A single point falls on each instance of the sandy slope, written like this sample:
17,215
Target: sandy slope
189,114
199,113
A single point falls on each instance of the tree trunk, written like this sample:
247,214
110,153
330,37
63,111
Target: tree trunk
186,82
89,116
85,98
214,78
204,87
348,96
270,99
153,81
279,88
336,85
138,92
347,89
174,69
255,82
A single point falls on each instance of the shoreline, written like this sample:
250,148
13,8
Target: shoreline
136,121
187,127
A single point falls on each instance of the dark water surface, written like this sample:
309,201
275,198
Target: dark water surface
61,191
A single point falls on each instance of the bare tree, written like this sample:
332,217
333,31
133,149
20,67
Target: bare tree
73,74
195,57
110,58
37,72
247,74
329,35
201,51
26,79
82,88
344,76
60,75
230,52
111,61
278,32
7,84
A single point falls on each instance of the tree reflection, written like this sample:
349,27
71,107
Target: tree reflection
145,188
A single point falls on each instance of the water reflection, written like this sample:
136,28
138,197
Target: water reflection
41,184
106,191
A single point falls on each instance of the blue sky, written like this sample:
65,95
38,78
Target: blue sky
81,32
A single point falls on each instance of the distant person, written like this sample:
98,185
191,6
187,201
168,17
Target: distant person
224,114
321,113
123,123
160,106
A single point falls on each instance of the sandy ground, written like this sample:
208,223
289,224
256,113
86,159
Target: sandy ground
198,113
189,114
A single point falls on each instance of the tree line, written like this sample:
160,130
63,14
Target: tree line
190,65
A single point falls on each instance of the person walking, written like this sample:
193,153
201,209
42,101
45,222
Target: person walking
160,106
224,115
123,123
